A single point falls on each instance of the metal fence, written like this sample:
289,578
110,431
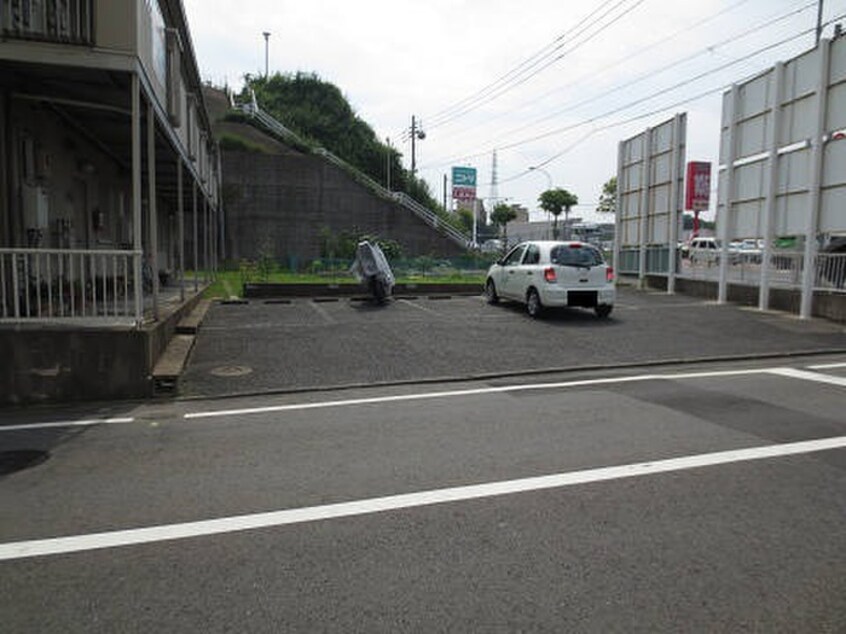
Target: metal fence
785,270
57,284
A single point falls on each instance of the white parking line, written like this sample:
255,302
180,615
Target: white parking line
417,306
827,366
469,392
67,423
167,532
324,315
793,373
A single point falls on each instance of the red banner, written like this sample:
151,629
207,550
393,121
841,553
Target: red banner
698,188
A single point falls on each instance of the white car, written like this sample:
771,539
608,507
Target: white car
549,274
704,251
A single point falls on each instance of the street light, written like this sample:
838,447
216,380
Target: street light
535,168
266,35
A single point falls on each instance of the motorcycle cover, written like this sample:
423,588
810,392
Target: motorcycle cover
371,268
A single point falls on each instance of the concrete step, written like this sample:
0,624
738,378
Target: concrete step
191,323
170,365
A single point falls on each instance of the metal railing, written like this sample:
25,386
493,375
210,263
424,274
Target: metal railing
431,218
253,110
60,284
785,270
66,21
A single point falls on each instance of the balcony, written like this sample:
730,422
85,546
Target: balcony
60,21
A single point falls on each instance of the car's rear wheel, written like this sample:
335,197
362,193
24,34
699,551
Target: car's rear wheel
603,310
533,303
490,292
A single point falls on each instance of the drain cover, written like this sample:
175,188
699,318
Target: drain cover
231,370
12,461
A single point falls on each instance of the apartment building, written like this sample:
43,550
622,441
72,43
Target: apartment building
109,176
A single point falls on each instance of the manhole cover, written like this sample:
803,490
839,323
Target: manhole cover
232,370
12,461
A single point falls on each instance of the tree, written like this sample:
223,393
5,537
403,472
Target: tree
608,198
501,216
555,201
465,217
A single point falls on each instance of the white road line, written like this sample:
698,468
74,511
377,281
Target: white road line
809,376
827,366
418,306
469,392
68,423
167,532
324,315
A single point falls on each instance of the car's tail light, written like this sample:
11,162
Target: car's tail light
609,274
549,275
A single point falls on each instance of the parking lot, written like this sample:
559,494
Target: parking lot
281,345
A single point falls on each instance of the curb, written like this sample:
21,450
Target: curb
485,376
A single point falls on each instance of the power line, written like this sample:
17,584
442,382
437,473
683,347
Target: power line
657,111
543,52
641,100
663,69
602,70
545,64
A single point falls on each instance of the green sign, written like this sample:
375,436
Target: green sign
464,177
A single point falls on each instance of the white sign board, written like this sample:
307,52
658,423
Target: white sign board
782,155
650,195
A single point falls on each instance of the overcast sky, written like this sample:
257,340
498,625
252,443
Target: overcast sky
545,82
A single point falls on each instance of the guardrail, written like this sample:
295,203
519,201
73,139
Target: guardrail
253,110
59,284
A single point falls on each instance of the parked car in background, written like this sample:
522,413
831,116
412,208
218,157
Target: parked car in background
704,251
544,273
751,250
491,246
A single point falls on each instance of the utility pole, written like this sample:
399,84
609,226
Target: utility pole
266,35
819,21
416,133
388,164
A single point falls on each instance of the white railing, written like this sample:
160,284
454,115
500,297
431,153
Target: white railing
831,272
785,270
61,284
431,218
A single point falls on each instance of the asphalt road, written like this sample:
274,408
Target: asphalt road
605,496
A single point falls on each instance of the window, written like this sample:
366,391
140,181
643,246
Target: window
532,255
513,258
580,255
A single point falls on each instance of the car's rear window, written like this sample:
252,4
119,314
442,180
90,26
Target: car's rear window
575,255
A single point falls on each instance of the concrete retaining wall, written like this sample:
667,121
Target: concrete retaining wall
285,204
66,363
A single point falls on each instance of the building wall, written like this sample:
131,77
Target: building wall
285,203
71,195
116,25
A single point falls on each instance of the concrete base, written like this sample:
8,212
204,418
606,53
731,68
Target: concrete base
55,363
831,306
